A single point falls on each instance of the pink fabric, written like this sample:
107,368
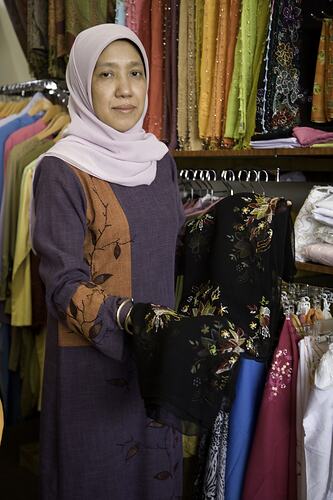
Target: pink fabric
271,470
307,136
126,158
21,135
319,252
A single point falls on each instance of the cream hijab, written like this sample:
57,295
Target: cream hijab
126,158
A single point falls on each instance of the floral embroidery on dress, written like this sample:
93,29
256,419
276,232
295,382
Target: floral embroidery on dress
280,374
252,234
199,223
159,317
204,301
259,325
198,227
219,349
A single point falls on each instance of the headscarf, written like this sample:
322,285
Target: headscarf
127,158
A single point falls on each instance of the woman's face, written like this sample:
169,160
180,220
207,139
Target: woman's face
119,86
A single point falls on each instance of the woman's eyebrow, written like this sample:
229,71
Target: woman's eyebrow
116,65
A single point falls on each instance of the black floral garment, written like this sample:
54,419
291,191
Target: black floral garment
234,258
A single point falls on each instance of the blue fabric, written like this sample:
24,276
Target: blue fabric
243,416
5,131
120,12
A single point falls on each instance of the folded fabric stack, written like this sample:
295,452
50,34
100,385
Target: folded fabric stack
314,227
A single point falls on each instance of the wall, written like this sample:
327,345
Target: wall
13,64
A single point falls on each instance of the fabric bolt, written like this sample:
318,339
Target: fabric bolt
37,38
182,115
242,421
21,307
322,219
57,51
325,234
120,12
208,55
279,89
318,432
240,120
322,99
170,44
320,252
126,158
305,224
156,91
228,19
327,212
271,468
325,203
194,143
307,136
199,16
138,458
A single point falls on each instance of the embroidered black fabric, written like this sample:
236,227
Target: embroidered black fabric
234,259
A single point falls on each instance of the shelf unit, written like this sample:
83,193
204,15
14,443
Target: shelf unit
314,268
287,159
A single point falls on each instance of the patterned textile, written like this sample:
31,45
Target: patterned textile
170,84
322,100
56,34
228,20
37,39
98,243
278,100
240,118
214,482
208,55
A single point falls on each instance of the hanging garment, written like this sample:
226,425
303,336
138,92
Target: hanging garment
242,422
92,391
310,354
271,468
279,90
322,99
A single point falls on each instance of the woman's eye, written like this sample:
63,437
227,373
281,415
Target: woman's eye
136,73
107,74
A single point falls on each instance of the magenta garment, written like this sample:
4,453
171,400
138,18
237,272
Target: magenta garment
271,469
21,135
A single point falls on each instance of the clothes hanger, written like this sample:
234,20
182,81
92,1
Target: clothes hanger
55,125
51,112
43,104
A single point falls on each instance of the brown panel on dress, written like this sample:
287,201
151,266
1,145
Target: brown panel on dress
107,250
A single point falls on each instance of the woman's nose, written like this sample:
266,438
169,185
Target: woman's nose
123,87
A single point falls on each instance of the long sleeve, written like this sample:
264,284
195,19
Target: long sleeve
74,294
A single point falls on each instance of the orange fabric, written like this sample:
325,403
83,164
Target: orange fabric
322,100
102,209
155,112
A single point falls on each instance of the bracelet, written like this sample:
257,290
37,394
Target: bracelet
124,302
127,321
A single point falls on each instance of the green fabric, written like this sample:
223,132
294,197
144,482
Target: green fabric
21,310
20,156
240,118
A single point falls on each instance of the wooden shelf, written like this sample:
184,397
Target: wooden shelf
315,268
244,153
286,159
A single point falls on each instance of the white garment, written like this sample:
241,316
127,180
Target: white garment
318,428
324,233
310,354
324,219
319,252
325,202
305,224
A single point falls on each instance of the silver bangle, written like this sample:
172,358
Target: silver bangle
120,307
127,320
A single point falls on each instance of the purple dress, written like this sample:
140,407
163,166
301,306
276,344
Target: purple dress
99,242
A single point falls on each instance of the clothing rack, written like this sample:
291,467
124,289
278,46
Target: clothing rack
54,88
228,175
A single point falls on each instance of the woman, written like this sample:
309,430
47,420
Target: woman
107,215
